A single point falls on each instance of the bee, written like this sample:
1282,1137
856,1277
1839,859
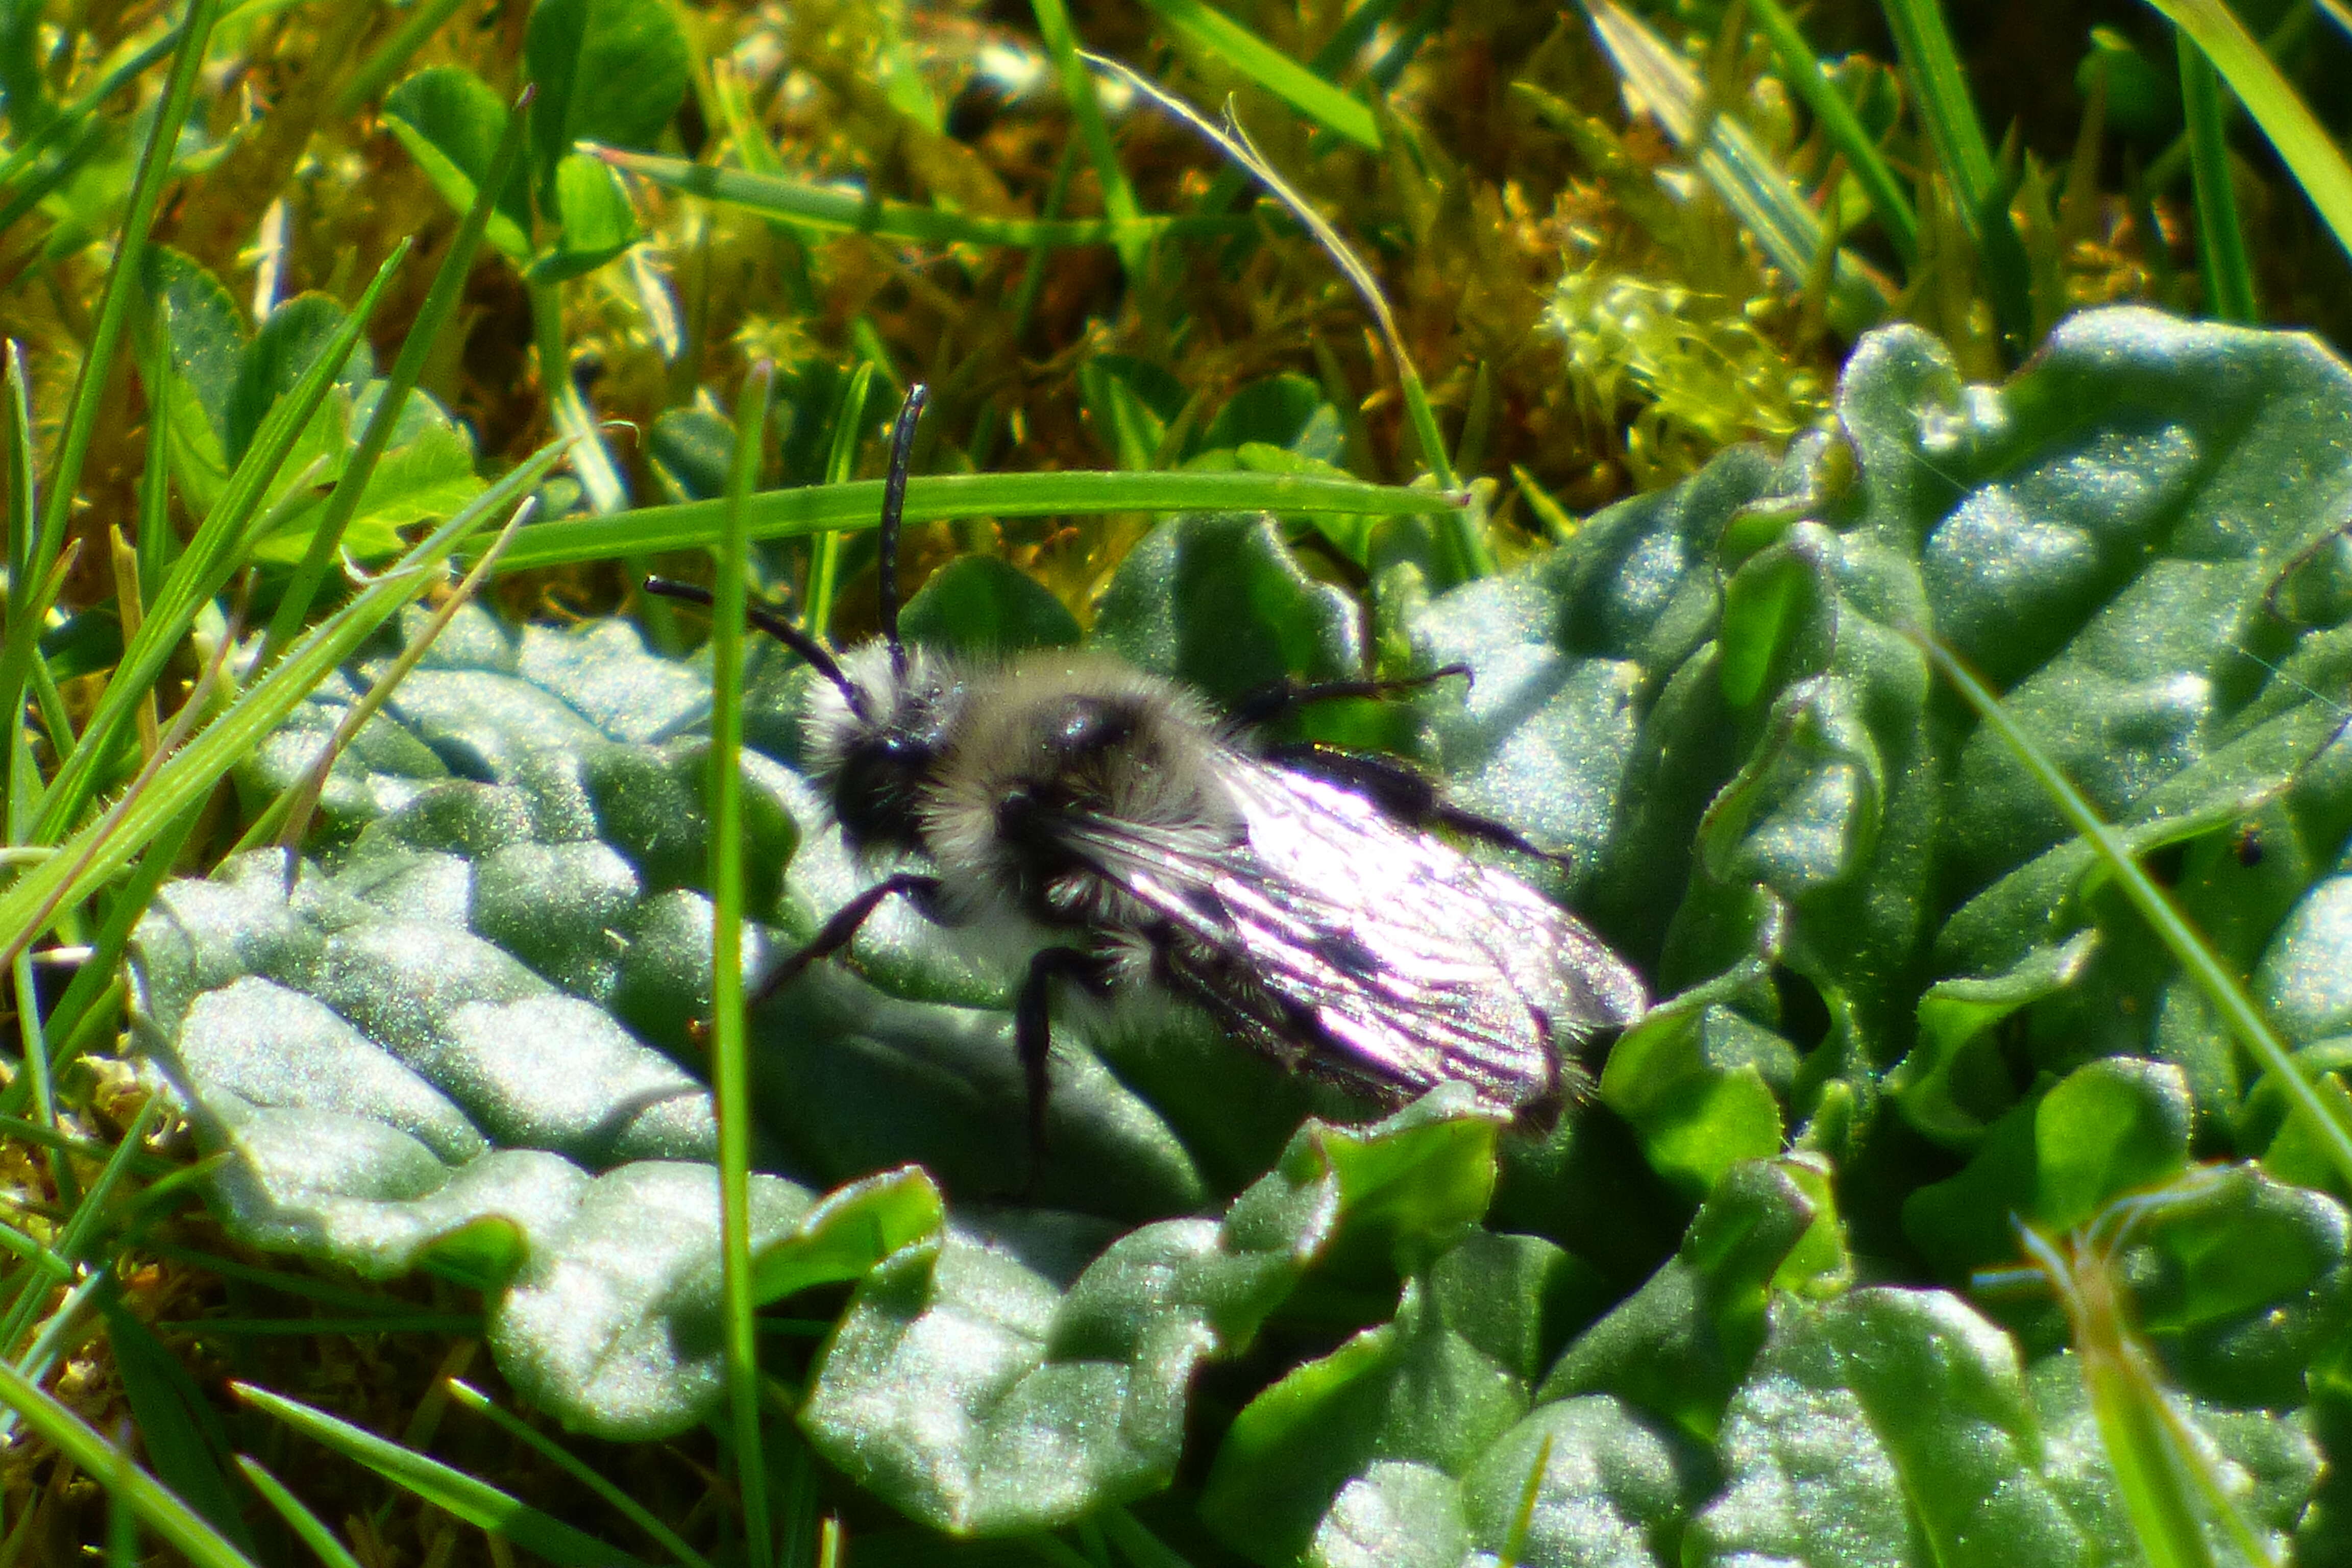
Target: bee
1126,838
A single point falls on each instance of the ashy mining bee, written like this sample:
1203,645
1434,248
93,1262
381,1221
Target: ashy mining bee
1126,838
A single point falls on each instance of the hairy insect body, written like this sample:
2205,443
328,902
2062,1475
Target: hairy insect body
1138,843
1106,826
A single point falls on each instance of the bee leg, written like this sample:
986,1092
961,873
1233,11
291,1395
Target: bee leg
1405,794
1032,1029
1271,701
836,933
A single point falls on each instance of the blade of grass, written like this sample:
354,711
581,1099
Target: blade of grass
194,769
308,1527
2126,1399
1214,33
123,275
41,1073
85,995
1803,70
2189,949
1141,1547
180,1432
815,509
1118,200
1474,556
1948,115
840,463
294,804
2220,240
2302,144
212,557
462,1325
1762,197
74,117
383,61
178,1524
476,1502
440,303
730,1074
592,460
578,1469
830,210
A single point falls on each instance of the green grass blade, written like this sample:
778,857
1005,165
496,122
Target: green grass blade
85,994
815,509
2127,1403
440,303
2220,238
1738,168
385,60
476,1502
212,557
580,1471
308,1527
181,1433
99,849
1119,199
731,1077
2189,949
592,460
830,210
1474,556
75,117
1213,33
162,1513
123,275
2303,144
1803,70
1948,115
841,462
288,817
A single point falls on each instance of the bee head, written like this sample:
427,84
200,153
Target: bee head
876,739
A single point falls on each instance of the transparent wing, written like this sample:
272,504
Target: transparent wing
1343,940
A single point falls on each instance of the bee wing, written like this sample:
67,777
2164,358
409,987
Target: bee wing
1333,934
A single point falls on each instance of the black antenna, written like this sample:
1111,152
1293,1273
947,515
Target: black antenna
885,535
776,626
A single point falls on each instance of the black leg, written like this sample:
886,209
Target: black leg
1032,1029
1410,796
1270,702
836,933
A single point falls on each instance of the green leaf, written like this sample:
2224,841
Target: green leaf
1701,1085
1218,603
1402,1410
980,605
594,222
1676,1347
2270,1462
1954,1083
2110,1126
1218,36
988,1384
1883,1419
1131,402
449,120
607,70
208,345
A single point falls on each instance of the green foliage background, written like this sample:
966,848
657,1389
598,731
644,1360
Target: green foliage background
1942,1209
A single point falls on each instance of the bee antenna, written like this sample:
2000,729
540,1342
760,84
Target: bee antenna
894,501
811,651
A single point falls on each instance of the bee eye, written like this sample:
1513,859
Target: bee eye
1089,725
874,797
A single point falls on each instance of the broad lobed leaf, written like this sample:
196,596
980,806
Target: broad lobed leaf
1901,1011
